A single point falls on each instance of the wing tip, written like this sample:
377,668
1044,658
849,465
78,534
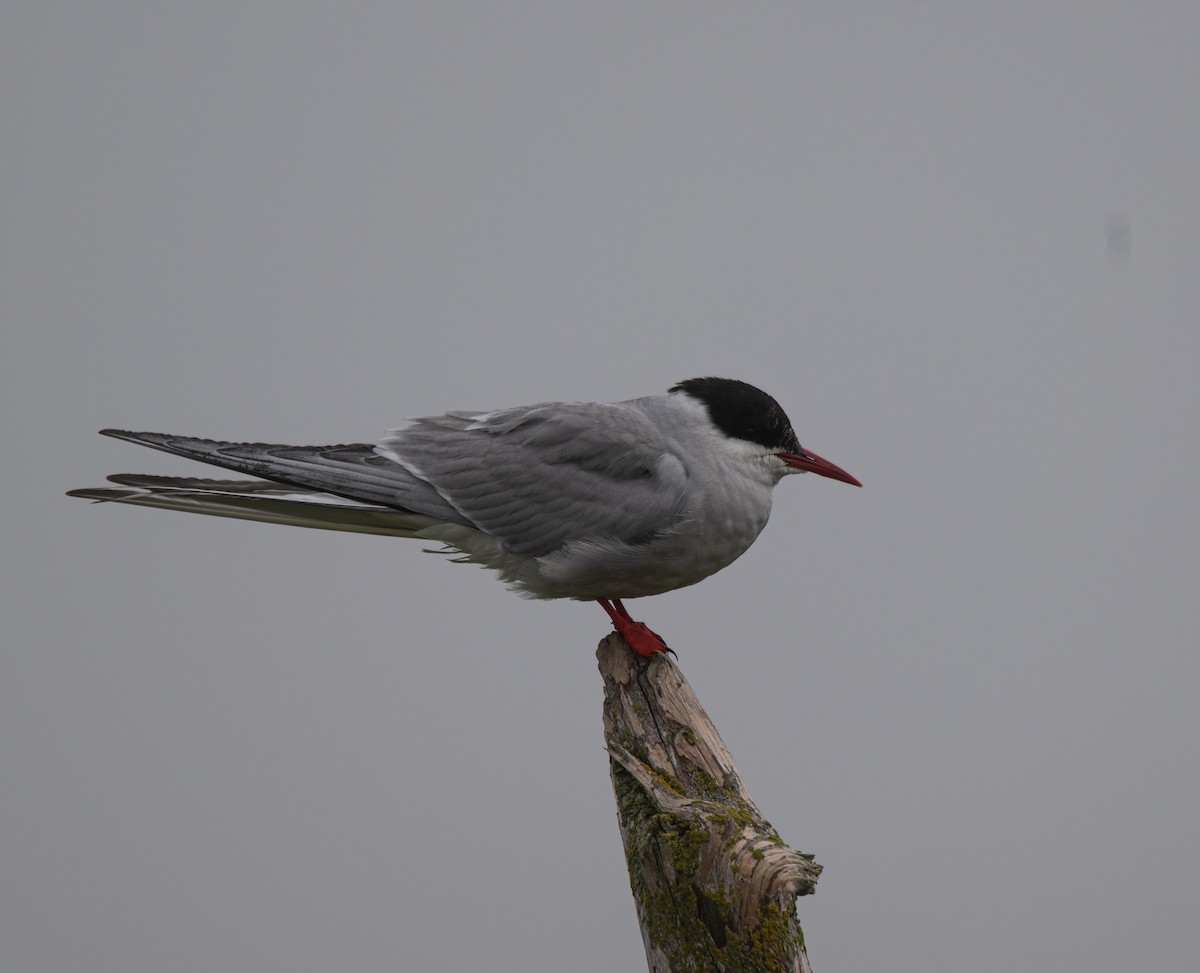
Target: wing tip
129,435
97,494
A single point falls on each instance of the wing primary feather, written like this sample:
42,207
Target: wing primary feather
351,470
258,501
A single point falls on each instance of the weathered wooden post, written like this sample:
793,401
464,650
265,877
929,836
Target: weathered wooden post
714,884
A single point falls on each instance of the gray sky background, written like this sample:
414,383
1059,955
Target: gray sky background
959,242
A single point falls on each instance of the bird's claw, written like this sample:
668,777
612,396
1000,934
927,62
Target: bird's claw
637,635
642,639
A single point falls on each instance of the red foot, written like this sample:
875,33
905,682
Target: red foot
640,638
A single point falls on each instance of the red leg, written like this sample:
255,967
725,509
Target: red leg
643,641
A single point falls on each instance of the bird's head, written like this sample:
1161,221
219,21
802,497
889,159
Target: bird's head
741,411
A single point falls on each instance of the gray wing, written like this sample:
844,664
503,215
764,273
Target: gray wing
354,470
540,477
536,477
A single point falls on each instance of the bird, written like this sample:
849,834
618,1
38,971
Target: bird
592,501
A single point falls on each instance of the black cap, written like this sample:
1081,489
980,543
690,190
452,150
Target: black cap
743,412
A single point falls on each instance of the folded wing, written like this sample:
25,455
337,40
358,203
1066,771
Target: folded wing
537,478
542,476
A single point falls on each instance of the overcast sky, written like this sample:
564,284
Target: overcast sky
960,243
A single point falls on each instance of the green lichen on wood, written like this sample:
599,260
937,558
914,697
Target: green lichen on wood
689,924
773,945
669,781
633,745
705,783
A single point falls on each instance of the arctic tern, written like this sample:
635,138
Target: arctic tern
584,500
